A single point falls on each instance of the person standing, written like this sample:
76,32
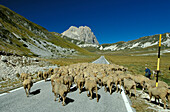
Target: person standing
147,72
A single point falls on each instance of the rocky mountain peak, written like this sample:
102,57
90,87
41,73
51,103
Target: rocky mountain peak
82,33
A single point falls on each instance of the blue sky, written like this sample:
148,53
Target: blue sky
110,20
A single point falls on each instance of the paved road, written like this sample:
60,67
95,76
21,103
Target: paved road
42,100
101,60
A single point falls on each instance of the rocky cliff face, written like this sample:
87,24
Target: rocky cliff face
83,34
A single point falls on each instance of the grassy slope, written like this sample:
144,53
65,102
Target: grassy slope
67,44
72,60
18,47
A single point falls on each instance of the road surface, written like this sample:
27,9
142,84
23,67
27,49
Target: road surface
42,100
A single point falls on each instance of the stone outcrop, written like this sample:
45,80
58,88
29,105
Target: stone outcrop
83,33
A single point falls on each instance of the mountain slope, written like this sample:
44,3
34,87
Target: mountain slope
23,37
141,43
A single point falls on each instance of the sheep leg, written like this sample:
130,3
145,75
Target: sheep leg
69,86
105,88
81,86
125,90
120,83
78,84
101,84
150,95
142,84
168,97
63,99
55,96
111,88
52,84
135,90
88,94
116,86
59,98
164,101
97,94
28,90
129,92
91,94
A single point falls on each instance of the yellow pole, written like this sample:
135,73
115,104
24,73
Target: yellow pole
158,63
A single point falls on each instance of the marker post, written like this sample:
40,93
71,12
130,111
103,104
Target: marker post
158,60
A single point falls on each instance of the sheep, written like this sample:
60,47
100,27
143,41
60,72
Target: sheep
168,98
40,74
110,82
24,76
56,78
86,74
128,85
55,70
159,92
119,78
68,81
104,82
27,83
79,80
45,75
116,80
61,90
120,68
93,79
99,78
152,83
50,71
90,86
140,80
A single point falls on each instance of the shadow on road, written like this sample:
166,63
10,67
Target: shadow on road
83,90
68,100
94,96
35,92
73,89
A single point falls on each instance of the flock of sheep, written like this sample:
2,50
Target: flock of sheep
89,76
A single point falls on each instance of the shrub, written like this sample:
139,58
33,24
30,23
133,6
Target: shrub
25,45
24,39
18,75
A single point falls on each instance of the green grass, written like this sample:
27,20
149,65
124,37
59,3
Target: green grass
72,60
137,64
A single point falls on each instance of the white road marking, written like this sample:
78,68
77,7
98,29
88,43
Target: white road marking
127,104
128,107
22,87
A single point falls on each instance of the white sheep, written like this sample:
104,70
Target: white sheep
128,85
90,86
61,90
27,83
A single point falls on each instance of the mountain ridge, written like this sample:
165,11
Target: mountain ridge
142,42
23,37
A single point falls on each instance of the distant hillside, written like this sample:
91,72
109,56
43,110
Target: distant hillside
141,43
23,37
